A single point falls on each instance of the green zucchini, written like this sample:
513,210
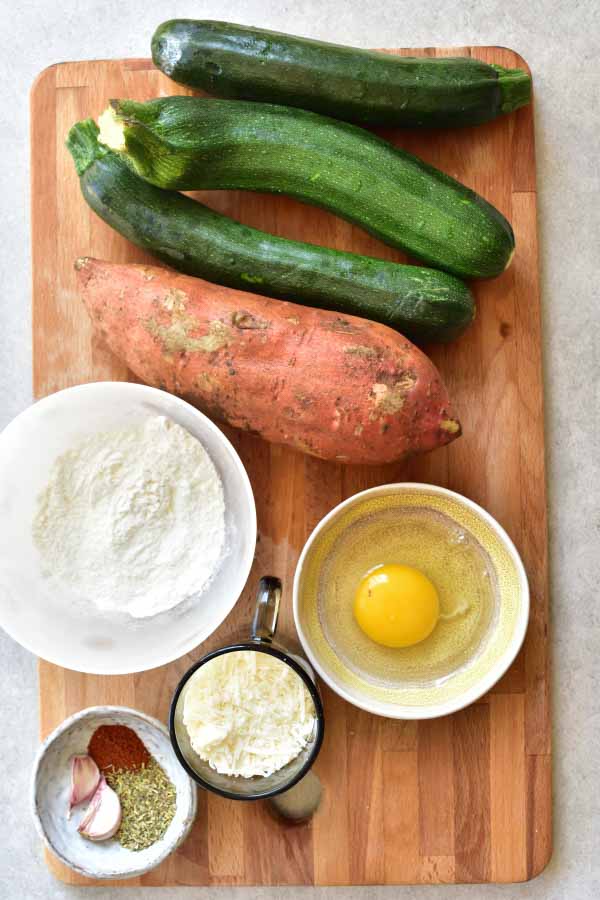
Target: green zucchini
423,304
371,88
188,143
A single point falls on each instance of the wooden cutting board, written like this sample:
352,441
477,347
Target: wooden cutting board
461,799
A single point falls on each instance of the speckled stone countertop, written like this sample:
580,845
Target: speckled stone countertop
560,43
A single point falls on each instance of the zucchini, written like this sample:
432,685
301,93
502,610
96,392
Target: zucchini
423,304
371,88
188,143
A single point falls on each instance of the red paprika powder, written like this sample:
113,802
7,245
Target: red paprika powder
114,747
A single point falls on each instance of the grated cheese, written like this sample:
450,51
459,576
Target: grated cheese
247,713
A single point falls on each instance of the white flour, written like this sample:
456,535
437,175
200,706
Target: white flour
133,519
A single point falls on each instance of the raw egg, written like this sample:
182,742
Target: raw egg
396,605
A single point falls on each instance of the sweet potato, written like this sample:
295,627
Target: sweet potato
338,387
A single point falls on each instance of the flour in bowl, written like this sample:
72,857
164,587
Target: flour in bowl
133,519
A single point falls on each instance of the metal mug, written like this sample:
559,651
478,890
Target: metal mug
261,640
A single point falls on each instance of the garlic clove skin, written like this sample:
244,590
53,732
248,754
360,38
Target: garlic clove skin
103,816
85,777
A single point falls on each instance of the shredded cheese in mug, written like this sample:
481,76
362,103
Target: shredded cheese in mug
247,713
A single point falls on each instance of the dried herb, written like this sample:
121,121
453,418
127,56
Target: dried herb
148,801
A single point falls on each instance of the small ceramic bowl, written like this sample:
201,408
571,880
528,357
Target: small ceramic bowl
58,622
379,679
51,787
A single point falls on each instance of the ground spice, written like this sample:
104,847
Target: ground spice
117,747
148,802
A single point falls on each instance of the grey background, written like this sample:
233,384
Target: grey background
560,42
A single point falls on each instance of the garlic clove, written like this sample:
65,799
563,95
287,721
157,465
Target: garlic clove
85,777
103,816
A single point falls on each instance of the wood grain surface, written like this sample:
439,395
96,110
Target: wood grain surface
461,799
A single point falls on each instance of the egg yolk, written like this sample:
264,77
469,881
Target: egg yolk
396,605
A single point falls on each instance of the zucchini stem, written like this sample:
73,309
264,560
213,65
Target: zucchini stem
132,130
112,129
82,143
515,88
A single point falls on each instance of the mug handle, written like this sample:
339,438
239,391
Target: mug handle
266,610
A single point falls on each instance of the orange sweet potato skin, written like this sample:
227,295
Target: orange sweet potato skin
340,388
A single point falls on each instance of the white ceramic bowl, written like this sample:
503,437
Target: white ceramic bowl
49,621
448,694
51,786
